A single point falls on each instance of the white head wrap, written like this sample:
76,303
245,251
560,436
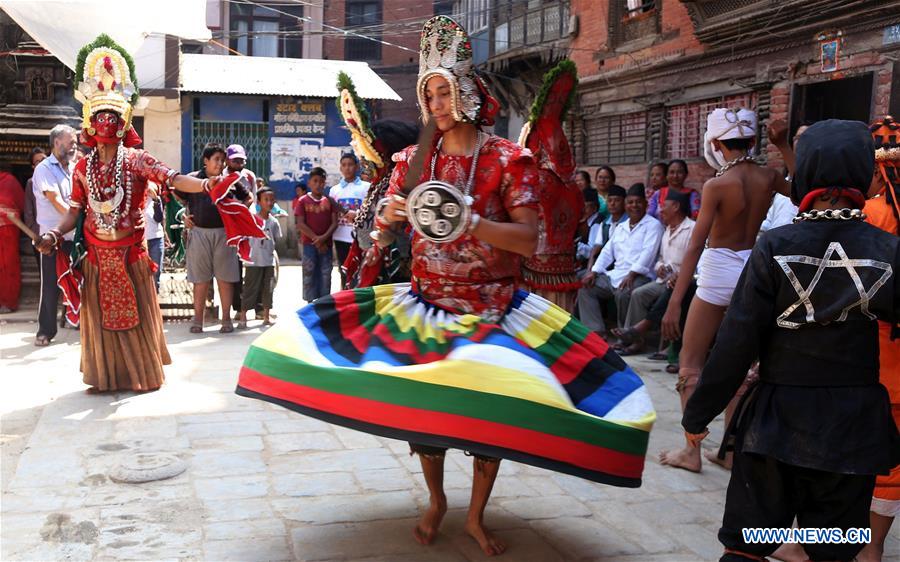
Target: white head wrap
724,124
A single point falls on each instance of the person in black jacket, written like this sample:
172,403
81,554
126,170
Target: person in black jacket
811,436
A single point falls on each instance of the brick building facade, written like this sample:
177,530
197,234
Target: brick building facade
398,24
651,71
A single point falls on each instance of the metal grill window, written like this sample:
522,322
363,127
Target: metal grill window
721,7
253,136
617,139
686,123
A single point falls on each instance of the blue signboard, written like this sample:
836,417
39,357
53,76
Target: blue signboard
304,133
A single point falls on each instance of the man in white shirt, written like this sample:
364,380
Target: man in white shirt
153,229
52,187
632,252
602,232
349,194
675,213
781,212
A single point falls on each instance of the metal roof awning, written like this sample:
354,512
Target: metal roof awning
270,76
64,26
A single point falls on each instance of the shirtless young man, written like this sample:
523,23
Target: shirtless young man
733,206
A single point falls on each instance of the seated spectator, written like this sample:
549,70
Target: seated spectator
679,226
656,179
677,173
582,233
601,231
632,252
604,178
259,276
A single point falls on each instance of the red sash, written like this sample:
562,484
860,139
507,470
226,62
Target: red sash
241,224
118,298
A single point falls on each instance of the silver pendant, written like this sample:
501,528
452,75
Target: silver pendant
439,211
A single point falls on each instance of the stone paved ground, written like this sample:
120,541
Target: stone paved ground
266,484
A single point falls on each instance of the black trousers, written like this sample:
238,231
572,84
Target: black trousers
342,249
49,304
658,310
764,492
429,451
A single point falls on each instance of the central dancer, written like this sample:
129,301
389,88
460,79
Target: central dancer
461,357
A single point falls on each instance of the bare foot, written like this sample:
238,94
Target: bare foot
427,528
490,544
92,390
713,457
687,458
790,552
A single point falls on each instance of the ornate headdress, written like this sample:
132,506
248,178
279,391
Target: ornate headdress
356,117
725,124
445,50
106,81
543,133
886,134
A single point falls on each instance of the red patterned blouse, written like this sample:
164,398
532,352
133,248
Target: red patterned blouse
469,275
138,168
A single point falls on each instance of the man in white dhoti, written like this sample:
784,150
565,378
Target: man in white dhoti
733,206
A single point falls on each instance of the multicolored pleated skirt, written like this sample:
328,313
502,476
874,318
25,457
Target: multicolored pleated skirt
537,387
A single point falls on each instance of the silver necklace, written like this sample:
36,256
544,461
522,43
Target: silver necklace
467,190
107,212
831,214
735,162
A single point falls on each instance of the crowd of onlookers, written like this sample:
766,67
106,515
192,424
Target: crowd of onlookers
190,223
629,247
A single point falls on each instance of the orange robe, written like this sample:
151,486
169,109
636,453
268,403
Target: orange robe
12,200
886,499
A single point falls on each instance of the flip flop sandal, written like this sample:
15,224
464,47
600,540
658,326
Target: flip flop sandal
196,327
241,325
226,328
672,369
658,356
41,341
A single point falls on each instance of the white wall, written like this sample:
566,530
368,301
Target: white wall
150,63
162,130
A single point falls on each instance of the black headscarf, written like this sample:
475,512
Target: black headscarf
637,190
834,155
682,199
617,191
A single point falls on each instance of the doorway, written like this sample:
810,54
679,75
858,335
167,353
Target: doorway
848,98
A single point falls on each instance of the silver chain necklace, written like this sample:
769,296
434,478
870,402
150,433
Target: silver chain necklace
735,162
831,214
108,212
467,190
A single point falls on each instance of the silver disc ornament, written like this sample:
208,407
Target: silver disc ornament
438,211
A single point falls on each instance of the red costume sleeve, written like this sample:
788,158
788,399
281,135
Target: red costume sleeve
151,169
519,182
241,223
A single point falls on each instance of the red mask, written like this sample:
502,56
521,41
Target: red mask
106,123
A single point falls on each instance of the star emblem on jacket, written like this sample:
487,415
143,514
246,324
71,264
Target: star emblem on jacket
849,289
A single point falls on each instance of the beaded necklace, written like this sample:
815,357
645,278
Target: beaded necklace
107,201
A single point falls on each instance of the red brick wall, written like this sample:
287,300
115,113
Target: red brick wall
398,67
412,15
676,37
334,14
